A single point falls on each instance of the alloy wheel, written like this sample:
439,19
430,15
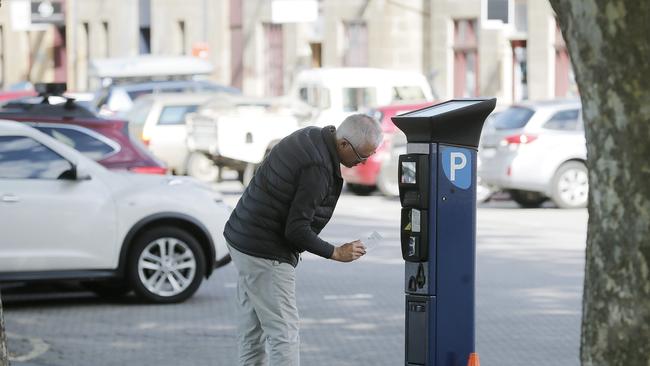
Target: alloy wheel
573,187
167,266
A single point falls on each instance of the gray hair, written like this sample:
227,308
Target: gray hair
360,129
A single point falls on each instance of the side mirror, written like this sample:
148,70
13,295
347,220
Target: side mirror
74,174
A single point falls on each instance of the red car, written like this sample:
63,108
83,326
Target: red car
364,178
106,141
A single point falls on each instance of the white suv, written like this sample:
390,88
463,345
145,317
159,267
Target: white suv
536,151
66,217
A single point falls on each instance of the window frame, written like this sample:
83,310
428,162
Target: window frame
576,127
369,91
49,149
96,135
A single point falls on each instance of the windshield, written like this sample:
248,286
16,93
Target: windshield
356,98
512,118
408,93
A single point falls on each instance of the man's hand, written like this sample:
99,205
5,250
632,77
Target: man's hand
349,251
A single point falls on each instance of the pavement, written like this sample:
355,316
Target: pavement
528,290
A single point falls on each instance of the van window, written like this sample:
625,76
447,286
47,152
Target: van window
408,93
315,96
175,115
357,98
512,118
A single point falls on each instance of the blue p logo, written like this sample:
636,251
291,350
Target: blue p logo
457,165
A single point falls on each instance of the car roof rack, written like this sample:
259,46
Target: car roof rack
31,106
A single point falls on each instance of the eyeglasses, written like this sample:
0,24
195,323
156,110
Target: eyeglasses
359,158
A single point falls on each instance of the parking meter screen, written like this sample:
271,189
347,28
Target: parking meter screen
442,108
409,172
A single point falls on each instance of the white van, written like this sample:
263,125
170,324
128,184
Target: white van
339,92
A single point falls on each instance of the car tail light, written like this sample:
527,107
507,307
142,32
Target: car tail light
145,139
149,170
519,139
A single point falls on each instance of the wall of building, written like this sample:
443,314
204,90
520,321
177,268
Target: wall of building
400,34
296,53
541,50
24,54
98,29
394,28
180,26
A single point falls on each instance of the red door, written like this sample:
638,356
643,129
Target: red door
274,59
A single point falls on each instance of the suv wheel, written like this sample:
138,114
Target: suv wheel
201,167
166,265
571,185
528,199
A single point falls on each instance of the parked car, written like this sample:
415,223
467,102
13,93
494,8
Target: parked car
376,172
106,141
68,218
536,151
120,80
238,132
338,92
118,99
159,121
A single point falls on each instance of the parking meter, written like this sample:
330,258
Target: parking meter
437,183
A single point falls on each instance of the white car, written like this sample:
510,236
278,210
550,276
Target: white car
537,151
341,91
159,121
66,217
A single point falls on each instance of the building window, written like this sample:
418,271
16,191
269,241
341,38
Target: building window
236,44
498,10
355,43
107,39
144,9
181,38
465,58
519,70
565,85
274,59
145,40
316,54
2,57
60,53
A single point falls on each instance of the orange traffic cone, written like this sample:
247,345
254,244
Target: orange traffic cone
473,360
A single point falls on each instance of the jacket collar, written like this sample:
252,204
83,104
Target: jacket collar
329,135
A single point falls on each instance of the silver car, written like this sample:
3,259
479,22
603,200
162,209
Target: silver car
537,151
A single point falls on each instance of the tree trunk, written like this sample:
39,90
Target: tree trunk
609,44
4,357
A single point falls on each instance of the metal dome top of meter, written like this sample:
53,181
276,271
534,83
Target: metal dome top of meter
455,122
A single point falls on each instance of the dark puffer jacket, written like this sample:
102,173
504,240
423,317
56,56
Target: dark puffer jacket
290,199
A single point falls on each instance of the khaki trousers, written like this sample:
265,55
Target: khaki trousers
267,312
